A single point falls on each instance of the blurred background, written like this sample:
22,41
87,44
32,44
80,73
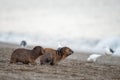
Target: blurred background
80,24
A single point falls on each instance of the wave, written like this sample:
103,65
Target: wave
80,44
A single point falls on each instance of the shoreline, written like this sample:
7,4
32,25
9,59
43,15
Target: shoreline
79,56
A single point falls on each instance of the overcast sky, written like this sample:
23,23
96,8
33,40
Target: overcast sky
66,18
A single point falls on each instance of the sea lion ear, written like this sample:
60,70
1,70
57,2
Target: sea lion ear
59,51
62,51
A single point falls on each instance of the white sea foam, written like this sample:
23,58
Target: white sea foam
81,44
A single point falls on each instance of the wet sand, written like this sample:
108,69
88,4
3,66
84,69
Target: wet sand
74,67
